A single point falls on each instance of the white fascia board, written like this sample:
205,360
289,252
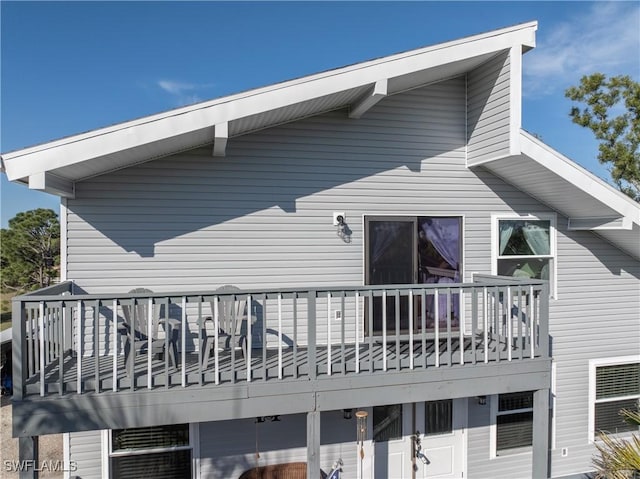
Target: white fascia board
581,178
64,222
106,141
515,98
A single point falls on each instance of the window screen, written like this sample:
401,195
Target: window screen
514,401
618,380
617,388
150,437
514,420
514,430
151,452
162,465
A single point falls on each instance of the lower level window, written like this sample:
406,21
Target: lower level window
514,421
617,387
154,452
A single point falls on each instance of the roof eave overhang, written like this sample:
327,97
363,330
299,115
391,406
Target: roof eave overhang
602,209
374,74
626,210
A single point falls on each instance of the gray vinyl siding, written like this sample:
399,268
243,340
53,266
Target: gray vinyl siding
596,315
488,115
85,449
228,448
599,296
261,217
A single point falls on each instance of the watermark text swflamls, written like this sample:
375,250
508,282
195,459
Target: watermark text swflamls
39,466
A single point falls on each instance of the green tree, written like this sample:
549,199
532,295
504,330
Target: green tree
30,250
611,109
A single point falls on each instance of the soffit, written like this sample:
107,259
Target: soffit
158,135
549,188
566,187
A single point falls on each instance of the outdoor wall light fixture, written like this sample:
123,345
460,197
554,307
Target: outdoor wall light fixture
267,418
343,231
347,413
482,400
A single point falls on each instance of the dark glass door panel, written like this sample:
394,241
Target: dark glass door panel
391,252
391,261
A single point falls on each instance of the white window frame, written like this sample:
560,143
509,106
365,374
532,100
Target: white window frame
553,250
593,365
194,446
493,430
465,276
552,403
66,454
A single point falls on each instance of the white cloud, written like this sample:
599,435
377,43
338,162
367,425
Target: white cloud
174,87
606,38
183,93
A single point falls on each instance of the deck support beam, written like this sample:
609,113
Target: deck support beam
28,457
540,458
313,444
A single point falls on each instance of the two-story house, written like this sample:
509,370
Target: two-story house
374,263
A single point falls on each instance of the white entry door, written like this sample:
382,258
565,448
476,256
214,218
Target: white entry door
392,441
441,425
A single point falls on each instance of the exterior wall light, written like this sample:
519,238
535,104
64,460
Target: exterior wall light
342,230
267,418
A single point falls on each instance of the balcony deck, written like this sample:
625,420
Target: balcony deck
292,367
296,342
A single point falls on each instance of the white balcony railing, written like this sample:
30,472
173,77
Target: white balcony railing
66,343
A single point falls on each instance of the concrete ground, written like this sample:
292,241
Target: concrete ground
50,447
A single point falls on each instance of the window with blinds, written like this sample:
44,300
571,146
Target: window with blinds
617,387
514,421
154,452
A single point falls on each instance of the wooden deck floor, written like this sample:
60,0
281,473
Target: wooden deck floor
271,365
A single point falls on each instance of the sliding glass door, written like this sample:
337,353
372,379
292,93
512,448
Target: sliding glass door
409,250
391,253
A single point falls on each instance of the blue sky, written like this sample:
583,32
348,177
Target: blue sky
69,67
